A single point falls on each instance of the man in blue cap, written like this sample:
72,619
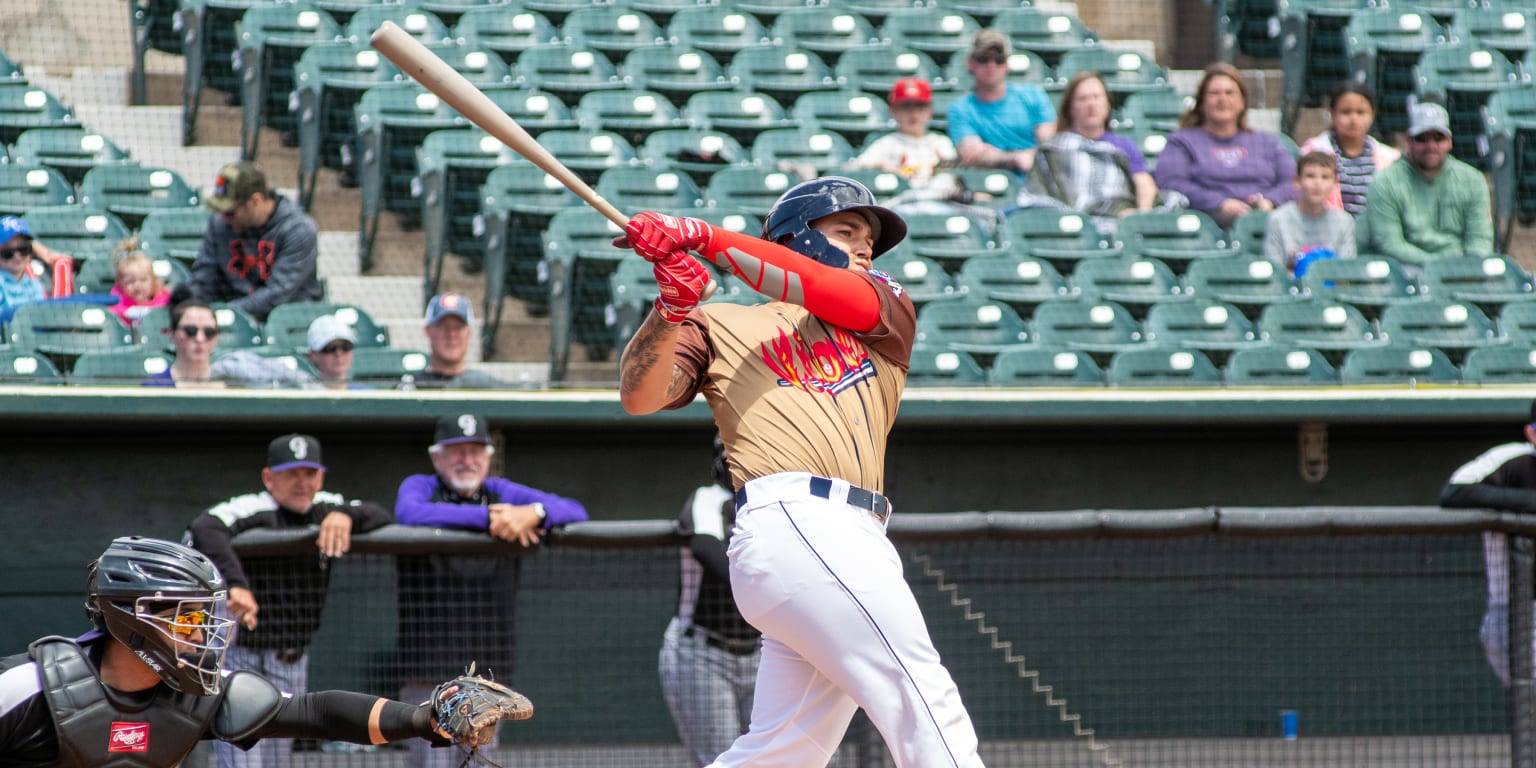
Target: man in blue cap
449,331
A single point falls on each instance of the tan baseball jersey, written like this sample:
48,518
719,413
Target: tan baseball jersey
792,393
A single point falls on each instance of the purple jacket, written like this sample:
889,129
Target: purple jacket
414,505
1208,170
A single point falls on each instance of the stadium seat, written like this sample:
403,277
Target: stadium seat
329,81
567,72
98,273
698,152
976,326
656,187
935,366
1452,326
1370,283
883,184
633,114
1398,364
1517,322
922,278
1100,328
1463,77
423,25
580,259
1021,282
1279,365
1383,46
536,111
79,231
287,327
854,115
452,11
1045,366
612,30
994,188
719,30
1510,124
208,45
269,39
17,367
1247,233
451,166
1505,28
1507,364
802,148
632,290
70,151
1312,56
1327,326
343,10
1133,282
782,72
386,367
826,32
174,233
766,11
941,33
1213,327
1173,237
557,10
506,31
126,366
1124,72
1162,367
1050,34
1061,237
1250,27
133,192
951,239
391,123
1150,141
62,330
32,186
1152,110
753,189
1024,68
1249,282
1490,282
152,26
518,201
589,152
483,68
874,69
740,114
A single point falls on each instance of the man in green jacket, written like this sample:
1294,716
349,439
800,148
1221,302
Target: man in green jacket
1432,206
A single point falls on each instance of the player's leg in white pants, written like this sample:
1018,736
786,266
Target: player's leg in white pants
421,754
840,626
289,677
708,691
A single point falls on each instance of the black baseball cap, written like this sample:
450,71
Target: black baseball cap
463,428
294,451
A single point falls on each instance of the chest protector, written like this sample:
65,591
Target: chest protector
94,730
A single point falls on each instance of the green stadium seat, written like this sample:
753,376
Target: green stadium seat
935,366
854,115
1150,141
62,330
391,123
656,187
580,259
1452,326
1327,326
518,201
632,291
1510,124
133,191
941,33
79,231
698,152
1370,283
70,151
269,39
1162,367
1312,55
976,326
1279,365
1490,282
32,186
98,273
766,11
535,110
951,239
782,72
1050,34
1213,327
612,30
1100,328
237,328
126,366
883,184
826,32
1517,322
506,31
451,166
1061,237
1507,364
1250,27
557,10
452,11
810,148
1399,364
589,152
1045,366
208,45
719,30
18,367
1124,72
1133,282
1463,78
1506,28
740,114
152,26
1024,68
994,188
174,233
423,25
1173,237
484,68
567,72
1383,46
633,114
1152,111
1021,282
923,279
343,10
386,367
287,327
1248,282
1247,233
329,81
875,69
753,188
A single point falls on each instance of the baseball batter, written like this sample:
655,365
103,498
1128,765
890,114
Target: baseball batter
804,391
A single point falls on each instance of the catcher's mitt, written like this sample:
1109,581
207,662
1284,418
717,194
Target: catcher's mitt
467,708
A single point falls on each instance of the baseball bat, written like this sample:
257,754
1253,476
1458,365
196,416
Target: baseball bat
437,76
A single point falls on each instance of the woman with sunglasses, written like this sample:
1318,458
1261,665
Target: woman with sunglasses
18,285
195,334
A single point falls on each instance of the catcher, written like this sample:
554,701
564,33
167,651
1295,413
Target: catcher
147,684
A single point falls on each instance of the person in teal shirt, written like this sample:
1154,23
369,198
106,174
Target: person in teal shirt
18,285
1432,206
999,124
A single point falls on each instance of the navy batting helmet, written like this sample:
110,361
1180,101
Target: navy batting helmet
789,221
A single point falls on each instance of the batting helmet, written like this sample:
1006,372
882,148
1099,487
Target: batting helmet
789,221
159,599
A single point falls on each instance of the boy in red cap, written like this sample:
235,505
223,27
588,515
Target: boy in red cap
912,150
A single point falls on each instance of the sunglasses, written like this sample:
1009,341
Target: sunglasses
996,58
339,347
186,622
1430,138
191,331
6,254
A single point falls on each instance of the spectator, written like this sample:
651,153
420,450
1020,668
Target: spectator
477,596
1432,206
1215,160
448,323
18,284
154,660
1351,111
1085,167
1502,478
137,288
1306,229
277,600
260,250
911,151
999,124
195,336
709,654
331,341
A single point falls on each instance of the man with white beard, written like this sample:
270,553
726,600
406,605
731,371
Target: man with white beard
476,595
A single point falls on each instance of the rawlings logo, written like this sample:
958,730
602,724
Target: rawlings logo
826,366
129,737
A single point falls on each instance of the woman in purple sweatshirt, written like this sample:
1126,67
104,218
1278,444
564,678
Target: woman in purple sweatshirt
1215,160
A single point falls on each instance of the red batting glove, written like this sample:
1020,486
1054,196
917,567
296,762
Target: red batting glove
655,236
681,279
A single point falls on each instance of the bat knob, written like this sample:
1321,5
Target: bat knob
709,290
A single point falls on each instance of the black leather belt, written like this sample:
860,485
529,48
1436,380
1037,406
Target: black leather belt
876,503
734,647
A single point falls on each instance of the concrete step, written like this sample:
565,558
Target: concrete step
382,297
338,255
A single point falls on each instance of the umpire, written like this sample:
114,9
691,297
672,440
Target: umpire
277,601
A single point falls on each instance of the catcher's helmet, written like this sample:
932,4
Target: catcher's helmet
789,221
159,599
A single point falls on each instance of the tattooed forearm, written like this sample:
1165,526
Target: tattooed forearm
641,356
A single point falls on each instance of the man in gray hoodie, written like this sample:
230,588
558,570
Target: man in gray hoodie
260,250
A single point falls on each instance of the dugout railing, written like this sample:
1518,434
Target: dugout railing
1319,636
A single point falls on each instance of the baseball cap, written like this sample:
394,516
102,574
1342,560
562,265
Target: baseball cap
990,40
328,328
11,226
293,451
463,428
235,183
1427,116
445,304
911,90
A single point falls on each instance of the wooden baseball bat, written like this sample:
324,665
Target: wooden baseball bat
437,76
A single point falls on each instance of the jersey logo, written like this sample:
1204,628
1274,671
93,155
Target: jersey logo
129,737
889,281
829,366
